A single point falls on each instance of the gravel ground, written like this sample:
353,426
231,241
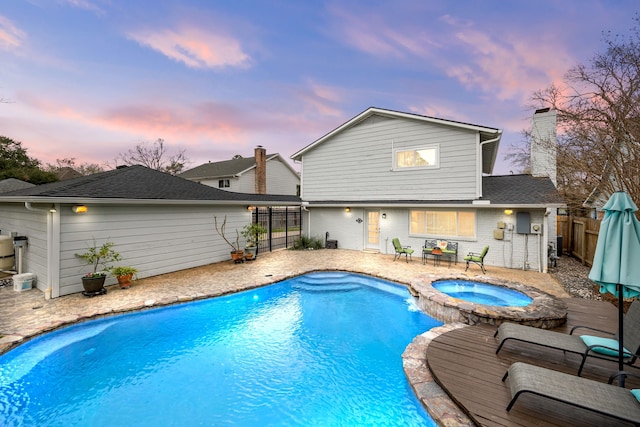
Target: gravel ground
574,278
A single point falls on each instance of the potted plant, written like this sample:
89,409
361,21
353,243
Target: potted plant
251,232
98,256
124,274
237,254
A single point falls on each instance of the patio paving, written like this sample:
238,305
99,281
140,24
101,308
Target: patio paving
27,314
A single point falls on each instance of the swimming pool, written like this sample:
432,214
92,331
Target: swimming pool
320,349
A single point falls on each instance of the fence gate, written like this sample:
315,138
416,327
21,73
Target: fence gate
283,224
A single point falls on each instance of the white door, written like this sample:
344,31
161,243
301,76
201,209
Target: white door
373,230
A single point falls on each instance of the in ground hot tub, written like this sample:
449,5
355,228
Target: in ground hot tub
482,293
451,303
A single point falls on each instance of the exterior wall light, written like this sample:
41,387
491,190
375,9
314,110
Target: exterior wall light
347,209
79,209
384,216
250,208
52,209
508,211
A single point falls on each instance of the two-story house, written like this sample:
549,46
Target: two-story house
261,174
386,174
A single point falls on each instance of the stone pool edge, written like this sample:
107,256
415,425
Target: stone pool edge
432,397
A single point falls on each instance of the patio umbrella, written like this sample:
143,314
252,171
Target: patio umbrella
616,262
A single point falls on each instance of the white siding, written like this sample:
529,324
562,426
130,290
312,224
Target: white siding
357,163
16,218
154,239
281,179
512,252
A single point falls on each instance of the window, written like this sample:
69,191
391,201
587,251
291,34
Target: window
224,183
427,157
443,223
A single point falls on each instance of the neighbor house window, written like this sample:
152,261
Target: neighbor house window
224,183
443,223
427,157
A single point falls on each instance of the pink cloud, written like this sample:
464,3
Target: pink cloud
11,37
195,47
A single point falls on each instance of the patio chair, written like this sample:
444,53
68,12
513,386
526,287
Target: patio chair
477,259
401,250
585,345
606,399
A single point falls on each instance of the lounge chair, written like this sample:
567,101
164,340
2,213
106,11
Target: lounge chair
401,250
606,399
600,348
477,259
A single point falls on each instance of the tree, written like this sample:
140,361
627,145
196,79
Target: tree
598,107
15,163
155,157
70,162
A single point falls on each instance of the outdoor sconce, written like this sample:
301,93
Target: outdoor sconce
52,209
508,211
384,216
249,208
347,209
79,209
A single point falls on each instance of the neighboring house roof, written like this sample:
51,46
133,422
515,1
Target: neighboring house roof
228,168
66,172
11,184
489,137
499,191
137,183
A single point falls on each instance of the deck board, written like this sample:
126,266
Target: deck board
465,365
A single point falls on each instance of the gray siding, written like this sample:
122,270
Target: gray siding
357,163
153,239
281,179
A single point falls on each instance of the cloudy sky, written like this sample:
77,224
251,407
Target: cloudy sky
93,78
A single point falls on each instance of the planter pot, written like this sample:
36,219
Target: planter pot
94,285
250,252
237,256
125,281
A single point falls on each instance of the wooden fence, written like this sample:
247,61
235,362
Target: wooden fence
579,237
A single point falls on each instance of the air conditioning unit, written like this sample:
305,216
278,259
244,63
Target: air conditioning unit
536,228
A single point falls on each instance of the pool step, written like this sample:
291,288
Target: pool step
329,287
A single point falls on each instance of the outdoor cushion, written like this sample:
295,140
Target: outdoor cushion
636,393
606,343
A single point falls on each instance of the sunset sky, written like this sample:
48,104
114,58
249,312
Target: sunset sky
93,78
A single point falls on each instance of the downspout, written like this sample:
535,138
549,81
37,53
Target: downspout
545,238
479,165
50,212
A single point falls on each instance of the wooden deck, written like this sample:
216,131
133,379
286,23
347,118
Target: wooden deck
465,365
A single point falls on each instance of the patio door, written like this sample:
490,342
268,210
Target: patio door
372,229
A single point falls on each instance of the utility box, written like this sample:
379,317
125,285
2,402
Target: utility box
331,244
22,282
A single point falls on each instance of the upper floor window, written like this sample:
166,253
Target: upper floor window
224,183
427,157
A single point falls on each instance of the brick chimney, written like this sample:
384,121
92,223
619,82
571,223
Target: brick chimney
261,170
543,144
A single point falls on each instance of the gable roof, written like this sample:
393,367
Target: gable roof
229,168
11,184
489,137
137,183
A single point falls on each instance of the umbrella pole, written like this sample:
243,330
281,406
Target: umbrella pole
620,336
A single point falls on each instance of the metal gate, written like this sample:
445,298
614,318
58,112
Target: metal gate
283,224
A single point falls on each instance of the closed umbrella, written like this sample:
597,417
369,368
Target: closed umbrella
616,262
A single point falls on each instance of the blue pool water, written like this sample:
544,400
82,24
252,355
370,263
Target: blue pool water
482,293
322,349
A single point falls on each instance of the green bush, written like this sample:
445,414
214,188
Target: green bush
304,242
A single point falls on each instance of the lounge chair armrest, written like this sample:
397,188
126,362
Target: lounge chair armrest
591,329
619,373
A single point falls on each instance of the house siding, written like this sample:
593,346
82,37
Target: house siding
16,218
329,169
155,240
511,252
